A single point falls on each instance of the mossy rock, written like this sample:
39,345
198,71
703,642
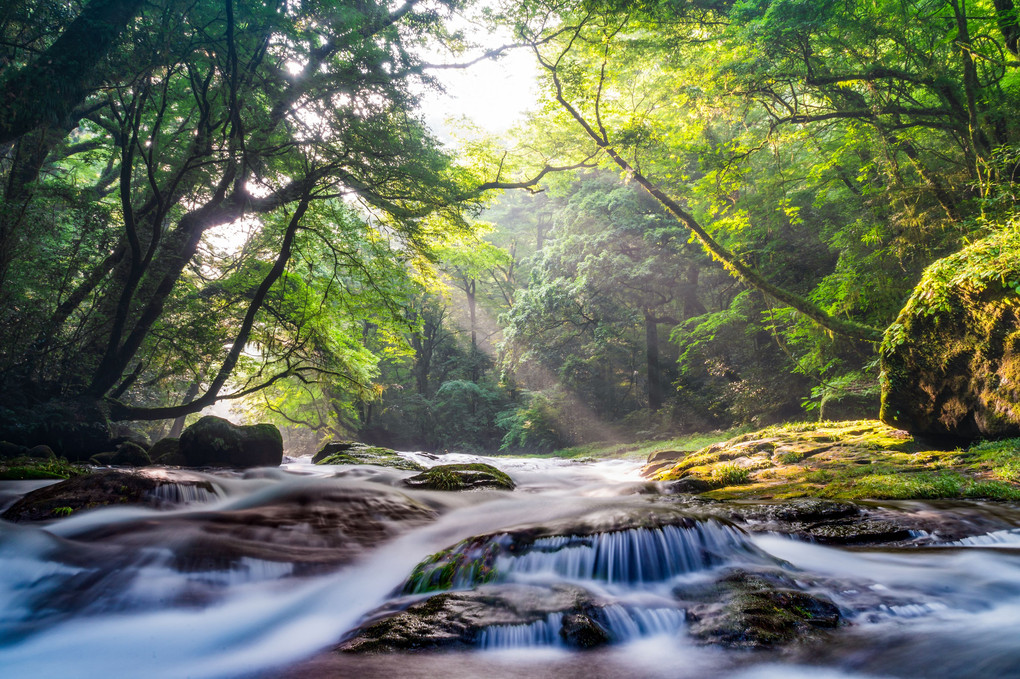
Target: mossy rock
756,611
98,489
42,452
167,451
951,361
9,451
825,522
353,452
215,442
688,485
660,459
853,460
461,477
334,448
130,454
457,620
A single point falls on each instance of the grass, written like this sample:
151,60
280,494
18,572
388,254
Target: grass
32,469
640,450
729,474
850,461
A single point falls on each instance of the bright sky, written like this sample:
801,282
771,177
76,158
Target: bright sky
492,94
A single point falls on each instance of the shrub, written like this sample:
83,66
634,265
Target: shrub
531,426
730,474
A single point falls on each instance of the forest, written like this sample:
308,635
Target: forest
665,339
710,218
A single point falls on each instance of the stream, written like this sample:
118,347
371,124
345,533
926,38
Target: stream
266,573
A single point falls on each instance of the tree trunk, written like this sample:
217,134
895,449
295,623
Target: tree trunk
472,301
189,396
692,305
29,155
652,360
1009,26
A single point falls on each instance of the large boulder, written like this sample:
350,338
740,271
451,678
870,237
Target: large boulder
100,489
951,361
215,442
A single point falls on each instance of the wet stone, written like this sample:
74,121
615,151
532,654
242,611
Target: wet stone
98,489
353,452
756,610
458,619
581,631
825,522
687,485
461,477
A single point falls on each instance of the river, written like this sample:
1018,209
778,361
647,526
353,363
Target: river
265,575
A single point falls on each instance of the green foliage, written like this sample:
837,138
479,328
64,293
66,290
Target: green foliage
532,427
25,469
135,244
464,413
730,474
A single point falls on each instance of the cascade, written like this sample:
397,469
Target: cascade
625,623
185,493
633,556
132,591
539,633
622,623
999,537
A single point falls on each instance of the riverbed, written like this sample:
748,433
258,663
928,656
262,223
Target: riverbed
266,575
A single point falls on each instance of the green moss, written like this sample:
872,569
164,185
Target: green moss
382,457
461,477
31,469
848,460
465,565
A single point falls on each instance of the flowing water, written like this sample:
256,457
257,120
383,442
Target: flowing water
265,574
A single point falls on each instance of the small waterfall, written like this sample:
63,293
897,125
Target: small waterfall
539,633
998,538
633,556
185,493
627,624
246,570
912,610
622,623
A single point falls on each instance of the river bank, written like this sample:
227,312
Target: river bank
586,568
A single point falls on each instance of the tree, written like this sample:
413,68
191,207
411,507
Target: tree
236,114
902,92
